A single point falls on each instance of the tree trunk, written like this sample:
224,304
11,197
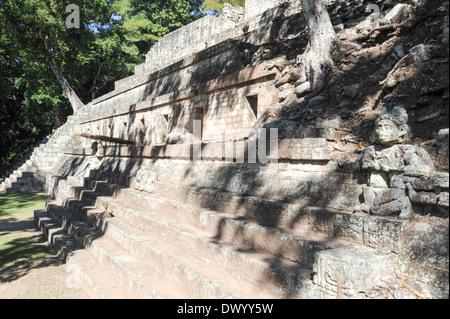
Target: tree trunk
317,60
74,100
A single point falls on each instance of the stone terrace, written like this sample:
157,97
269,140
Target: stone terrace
147,206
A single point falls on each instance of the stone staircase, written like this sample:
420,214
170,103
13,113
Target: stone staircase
124,243
31,174
221,230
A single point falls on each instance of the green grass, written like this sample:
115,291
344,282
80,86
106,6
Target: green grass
19,248
17,205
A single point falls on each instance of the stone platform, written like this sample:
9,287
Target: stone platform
174,185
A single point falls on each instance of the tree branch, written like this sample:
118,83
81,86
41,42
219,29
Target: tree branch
74,100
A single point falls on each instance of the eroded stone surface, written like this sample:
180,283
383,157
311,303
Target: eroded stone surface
347,272
331,185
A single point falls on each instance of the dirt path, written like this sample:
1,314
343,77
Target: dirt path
42,278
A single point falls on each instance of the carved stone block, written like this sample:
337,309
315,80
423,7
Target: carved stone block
346,272
144,180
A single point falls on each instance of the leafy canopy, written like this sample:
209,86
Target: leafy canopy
113,37
217,5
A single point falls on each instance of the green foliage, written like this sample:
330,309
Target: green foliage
113,37
28,104
217,5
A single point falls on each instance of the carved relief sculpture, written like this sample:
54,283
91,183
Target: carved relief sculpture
390,165
144,180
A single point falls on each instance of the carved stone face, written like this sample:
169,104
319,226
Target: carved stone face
387,132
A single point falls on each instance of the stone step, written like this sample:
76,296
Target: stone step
50,150
44,163
43,158
158,226
24,174
359,228
279,244
298,246
76,180
110,260
166,267
8,183
246,262
46,156
83,271
385,233
300,188
8,190
27,168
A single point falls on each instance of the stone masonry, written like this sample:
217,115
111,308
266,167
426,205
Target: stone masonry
187,182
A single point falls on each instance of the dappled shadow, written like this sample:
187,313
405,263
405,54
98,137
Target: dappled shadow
249,193
22,248
23,255
363,69
354,89
8,203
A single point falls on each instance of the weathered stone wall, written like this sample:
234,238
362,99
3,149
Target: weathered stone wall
346,190
209,31
235,86
170,99
187,40
219,81
256,7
